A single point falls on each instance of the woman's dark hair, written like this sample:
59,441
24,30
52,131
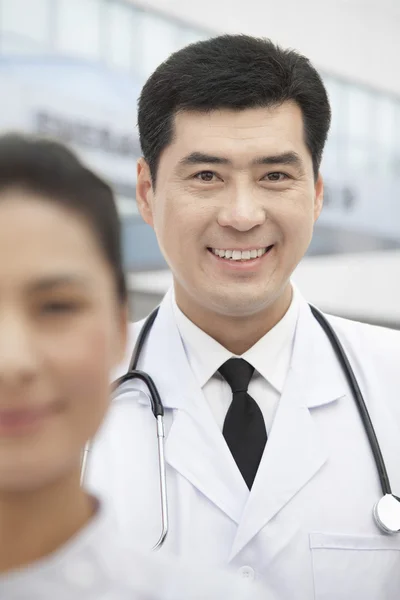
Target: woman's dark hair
231,72
49,169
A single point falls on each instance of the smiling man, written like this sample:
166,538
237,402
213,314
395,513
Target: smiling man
269,468
231,184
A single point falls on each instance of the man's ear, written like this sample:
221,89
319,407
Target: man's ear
319,197
144,191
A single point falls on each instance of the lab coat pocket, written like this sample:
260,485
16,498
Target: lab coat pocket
350,567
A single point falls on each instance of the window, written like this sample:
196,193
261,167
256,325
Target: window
386,122
119,35
395,161
337,93
159,38
361,143
334,154
24,26
78,28
385,134
332,158
361,114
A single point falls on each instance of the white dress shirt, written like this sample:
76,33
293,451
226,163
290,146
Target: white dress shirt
270,357
97,565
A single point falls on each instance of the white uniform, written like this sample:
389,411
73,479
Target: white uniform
96,566
306,528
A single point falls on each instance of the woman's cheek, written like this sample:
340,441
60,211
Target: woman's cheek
86,380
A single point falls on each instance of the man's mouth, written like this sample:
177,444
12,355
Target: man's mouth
240,255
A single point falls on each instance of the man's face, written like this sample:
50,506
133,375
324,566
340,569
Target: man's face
234,206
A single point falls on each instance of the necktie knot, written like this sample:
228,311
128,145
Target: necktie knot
237,372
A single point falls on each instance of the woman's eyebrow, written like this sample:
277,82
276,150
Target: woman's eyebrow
50,282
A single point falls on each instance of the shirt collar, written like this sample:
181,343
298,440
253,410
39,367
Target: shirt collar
270,356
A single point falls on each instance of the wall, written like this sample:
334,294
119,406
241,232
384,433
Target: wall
358,39
87,80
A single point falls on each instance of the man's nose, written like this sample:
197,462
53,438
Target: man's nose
243,210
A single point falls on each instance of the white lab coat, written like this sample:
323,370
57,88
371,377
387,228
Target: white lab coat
97,565
306,529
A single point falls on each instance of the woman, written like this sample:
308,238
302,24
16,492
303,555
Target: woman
63,327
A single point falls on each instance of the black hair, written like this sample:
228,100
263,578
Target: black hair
49,169
231,72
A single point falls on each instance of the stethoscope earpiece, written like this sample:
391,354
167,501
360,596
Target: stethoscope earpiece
387,514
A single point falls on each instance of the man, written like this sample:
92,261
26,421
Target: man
269,468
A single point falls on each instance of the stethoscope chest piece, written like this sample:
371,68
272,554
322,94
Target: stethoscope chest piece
387,514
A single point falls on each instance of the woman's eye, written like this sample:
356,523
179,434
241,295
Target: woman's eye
59,308
275,176
206,176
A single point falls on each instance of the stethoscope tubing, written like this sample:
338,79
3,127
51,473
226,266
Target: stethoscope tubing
158,411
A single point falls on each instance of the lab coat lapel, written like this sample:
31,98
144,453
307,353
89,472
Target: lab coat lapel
194,446
295,451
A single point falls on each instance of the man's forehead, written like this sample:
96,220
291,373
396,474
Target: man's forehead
252,119
229,134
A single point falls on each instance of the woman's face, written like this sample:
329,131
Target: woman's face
62,331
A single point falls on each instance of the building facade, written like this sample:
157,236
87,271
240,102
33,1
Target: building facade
72,69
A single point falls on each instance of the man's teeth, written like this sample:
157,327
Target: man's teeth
238,254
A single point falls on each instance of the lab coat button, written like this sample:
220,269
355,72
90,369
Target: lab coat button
247,573
81,574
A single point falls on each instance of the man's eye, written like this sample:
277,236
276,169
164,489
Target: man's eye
275,176
206,176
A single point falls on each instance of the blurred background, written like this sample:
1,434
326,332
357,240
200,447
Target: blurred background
72,70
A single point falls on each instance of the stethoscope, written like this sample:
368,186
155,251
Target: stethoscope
386,511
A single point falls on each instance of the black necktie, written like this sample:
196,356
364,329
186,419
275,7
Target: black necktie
244,427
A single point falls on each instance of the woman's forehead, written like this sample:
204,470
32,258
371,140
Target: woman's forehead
45,240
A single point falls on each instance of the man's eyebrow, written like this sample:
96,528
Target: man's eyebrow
201,158
287,158
54,281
